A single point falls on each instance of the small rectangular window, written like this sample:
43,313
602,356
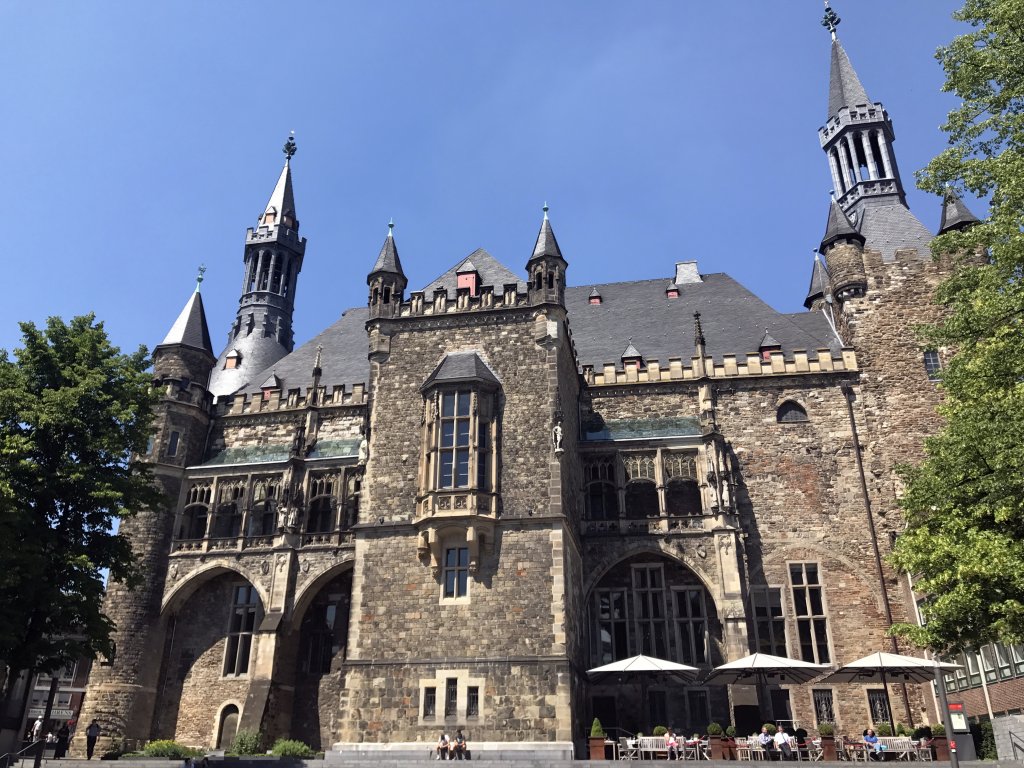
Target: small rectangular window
473,701
809,607
769,623
172,444
429,703
932,365
878,707
451,697
824,707
456,572
697,706
240,630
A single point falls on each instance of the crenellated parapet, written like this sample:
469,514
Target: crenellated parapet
441,302
273,399
730,366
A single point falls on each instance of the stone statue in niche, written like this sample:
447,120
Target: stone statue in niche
364,451
556,439
287,518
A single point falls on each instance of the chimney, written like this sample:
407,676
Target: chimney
686,272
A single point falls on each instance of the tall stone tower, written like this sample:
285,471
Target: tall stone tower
262,330
123,690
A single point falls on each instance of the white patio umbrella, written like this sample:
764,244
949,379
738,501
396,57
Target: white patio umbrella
643,667
885,668
760,668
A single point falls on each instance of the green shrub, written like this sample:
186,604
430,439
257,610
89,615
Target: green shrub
291,748
902,730
921,732
660,730
730,731
771,728
884,729
984,740
169,749
938,730
247,743
596,730
826,729
714,729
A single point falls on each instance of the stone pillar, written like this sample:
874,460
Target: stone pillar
844,162
865,141
883,147
836,178
852,149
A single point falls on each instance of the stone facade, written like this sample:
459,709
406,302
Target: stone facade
448,506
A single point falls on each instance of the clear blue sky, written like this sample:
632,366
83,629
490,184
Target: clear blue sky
142,138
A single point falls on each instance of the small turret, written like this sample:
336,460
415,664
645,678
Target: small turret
843,248
546,268
186,354
955,215
386,280
821,285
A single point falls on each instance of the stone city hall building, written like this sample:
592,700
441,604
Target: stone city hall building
447,506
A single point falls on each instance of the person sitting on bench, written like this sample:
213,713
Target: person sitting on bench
460,749
442,747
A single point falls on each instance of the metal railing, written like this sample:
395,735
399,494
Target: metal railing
13,757
1016,744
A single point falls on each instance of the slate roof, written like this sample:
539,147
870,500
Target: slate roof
491,271
639,429
387,259
955,214
343,360
844,87
458,367
819,282
190,328
734,321
546,244
889,226
282,200
838,227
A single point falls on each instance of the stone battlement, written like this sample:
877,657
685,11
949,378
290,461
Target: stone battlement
731,366
292,399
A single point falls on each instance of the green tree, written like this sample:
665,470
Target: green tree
965,504
74,411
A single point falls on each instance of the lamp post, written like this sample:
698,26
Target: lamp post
54,682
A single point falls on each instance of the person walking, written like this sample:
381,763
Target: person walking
91,734
63,737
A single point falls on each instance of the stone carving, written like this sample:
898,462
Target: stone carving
556,439
364,452
725,545
701,551
265,567
287,518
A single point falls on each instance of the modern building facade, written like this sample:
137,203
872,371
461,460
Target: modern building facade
446,507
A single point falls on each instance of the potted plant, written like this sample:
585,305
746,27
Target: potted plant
597,737
715,741
827,731
883,729
729,742
940,744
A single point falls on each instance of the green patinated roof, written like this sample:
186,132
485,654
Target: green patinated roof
335,449
263,454
636,429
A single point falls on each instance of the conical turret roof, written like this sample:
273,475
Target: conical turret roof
955,214
819,282
281,206
844,88
387,259
190,328
546,244
839,227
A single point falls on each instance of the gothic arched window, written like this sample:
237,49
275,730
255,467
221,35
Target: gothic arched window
790,413
641,488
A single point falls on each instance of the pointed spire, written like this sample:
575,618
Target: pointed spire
190,328
281,206
819,282
768,341
546,244
955,214
631,352
387,259
839,227
844,88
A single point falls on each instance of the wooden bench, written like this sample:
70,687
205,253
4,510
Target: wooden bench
652,747
901,747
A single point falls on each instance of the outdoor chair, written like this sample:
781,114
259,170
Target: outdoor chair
628,751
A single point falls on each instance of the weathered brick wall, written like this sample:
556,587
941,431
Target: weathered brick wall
120,694
193,689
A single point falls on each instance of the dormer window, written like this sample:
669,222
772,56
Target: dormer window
270,217
672,291
233,360
595,297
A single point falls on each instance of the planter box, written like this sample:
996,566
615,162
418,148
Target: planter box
597,748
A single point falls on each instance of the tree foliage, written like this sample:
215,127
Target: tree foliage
965,504
73,412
